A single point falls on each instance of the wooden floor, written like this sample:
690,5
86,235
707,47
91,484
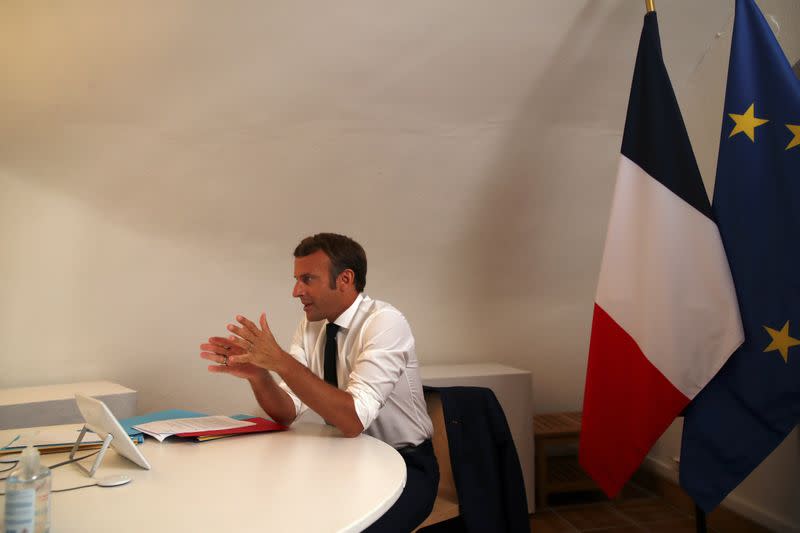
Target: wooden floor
648,503
636,510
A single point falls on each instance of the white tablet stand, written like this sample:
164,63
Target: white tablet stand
100,454
101,420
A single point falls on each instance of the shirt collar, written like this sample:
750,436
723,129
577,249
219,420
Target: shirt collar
344,320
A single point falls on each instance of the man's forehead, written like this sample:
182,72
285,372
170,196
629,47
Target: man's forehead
315,263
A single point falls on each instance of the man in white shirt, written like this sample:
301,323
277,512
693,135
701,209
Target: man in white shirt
352,360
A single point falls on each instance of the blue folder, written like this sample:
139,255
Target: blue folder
168,414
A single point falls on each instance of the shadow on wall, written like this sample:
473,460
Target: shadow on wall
543,237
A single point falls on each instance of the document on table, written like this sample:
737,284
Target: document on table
50,437
165,428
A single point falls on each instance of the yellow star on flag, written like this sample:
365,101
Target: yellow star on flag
747,123
781,341
795,129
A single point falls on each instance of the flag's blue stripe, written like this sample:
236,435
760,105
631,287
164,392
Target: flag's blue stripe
655,136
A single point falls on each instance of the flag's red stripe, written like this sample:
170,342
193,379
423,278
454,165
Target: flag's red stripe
627,405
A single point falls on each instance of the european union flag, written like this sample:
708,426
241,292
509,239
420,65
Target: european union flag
754,401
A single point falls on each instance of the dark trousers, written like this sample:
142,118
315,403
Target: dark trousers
416,501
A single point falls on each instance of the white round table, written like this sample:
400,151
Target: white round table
306,479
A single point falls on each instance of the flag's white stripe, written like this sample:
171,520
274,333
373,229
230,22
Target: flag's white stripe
666,281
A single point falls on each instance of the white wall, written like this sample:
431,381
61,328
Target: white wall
160,160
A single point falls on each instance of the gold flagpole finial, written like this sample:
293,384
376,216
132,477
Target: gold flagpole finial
651,6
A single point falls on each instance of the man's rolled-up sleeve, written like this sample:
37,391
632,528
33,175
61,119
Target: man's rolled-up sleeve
296,350
386,342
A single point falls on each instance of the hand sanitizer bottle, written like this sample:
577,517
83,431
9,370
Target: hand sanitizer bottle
28,495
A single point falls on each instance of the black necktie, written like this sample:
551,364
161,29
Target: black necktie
330,354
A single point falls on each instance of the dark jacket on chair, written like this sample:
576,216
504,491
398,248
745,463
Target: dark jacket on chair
486,469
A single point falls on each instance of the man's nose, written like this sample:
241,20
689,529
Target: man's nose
297,291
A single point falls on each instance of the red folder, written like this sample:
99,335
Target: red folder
260,425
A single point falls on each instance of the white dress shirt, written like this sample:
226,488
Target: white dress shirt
376,365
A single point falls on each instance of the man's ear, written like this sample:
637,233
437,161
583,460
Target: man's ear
346,277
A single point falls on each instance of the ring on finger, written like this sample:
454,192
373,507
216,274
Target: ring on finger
225,360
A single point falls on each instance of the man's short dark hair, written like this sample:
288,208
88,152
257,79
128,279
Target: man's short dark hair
343,252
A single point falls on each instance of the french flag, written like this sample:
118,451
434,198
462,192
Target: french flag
666,317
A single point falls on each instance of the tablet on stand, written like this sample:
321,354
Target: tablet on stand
101,420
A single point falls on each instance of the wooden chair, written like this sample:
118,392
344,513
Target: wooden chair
446,505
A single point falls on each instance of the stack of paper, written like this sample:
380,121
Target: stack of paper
162,429
168,414
259,425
